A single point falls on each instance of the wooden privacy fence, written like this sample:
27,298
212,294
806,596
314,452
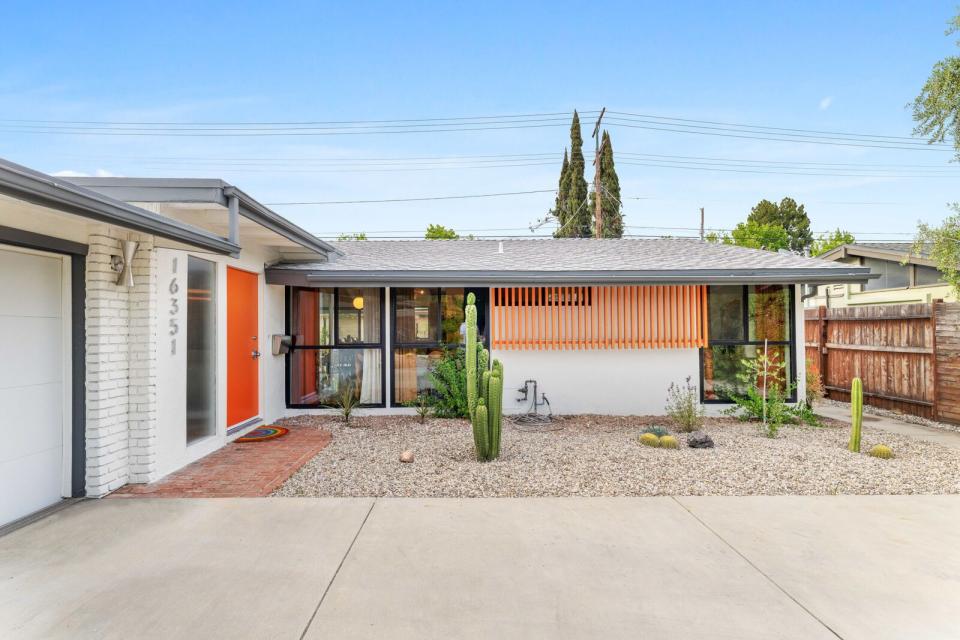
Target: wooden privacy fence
599,317
908,356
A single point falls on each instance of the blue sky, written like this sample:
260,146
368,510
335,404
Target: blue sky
837,66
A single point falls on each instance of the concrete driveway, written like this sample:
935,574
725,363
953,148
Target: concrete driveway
712,567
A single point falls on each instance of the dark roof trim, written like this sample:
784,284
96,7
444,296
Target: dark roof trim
207,190
253,210
305,277
38,188
880,253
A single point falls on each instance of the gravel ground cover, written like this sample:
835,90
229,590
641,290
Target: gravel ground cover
600,456
906,417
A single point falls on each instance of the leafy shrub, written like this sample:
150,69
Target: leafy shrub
683,406
770,406
815,389
657,431
449,377
422,406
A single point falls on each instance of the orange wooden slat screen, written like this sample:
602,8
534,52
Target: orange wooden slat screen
599,317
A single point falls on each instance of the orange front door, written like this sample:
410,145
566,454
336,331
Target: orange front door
243,348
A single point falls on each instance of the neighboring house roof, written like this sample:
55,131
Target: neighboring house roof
60,194
891,251
561,261
207,191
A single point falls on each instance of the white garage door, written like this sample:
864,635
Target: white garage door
32,381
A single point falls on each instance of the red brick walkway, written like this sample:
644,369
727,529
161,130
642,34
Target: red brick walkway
238,469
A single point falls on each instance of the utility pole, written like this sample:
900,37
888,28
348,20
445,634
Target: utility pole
702,237
598,212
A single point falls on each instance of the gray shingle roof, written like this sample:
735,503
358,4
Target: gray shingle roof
556,260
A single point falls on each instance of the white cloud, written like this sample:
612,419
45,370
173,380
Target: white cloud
825,103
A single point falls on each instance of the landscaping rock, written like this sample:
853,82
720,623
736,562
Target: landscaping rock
699,440
406,456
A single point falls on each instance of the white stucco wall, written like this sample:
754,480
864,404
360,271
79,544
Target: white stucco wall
604,381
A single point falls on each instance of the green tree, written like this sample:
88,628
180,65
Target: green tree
610,193
943,244
440,232
828,241
576,219
937,109
358,235
789,215
754,235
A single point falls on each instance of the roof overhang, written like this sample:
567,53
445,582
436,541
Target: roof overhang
207,191
38,188
319,277
880,253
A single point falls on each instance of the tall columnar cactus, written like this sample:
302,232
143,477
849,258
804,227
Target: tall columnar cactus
495,401
856,411
480,434
484,390
471,353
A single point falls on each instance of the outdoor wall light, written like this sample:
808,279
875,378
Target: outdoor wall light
358,303
123,264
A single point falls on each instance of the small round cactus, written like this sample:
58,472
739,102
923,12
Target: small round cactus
881,451
668,442
650,440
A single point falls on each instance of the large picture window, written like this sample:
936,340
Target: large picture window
427,321
741,320
337,346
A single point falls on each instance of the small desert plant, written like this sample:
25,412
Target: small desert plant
815,389
881,451
668,442
657,431
683,406
347,401
649,440
422,406
856,414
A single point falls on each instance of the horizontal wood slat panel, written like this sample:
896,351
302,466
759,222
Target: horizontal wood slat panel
599,317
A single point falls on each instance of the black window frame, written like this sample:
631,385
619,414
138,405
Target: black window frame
334,343
395,345
791,342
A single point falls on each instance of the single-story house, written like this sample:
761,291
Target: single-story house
147,322
902,277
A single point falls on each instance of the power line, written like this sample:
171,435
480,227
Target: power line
421,199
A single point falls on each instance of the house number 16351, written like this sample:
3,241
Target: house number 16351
174,309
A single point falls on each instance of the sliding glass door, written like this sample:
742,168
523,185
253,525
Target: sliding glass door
201,349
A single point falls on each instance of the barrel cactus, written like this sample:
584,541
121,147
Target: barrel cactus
881,451
668,442
856,414
649,440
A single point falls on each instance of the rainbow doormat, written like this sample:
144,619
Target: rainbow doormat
263,433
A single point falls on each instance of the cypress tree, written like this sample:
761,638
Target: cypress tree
576,222
558,208
610,192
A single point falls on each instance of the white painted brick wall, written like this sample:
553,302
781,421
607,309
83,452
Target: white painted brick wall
121,366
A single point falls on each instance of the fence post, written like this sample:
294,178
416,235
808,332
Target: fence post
933,358
822,345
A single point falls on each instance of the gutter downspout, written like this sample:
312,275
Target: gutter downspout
233,218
